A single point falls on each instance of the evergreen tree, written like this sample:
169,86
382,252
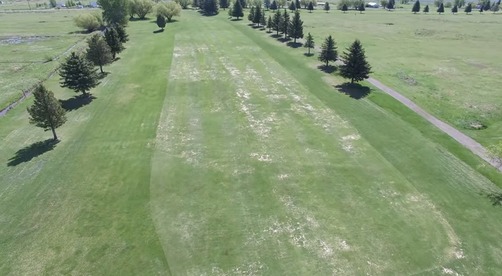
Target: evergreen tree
269,24
257,15
78,74
121,33
209,7
311,6
309,43
285,23
161,21
251,15
355,66
468,8
237,9
345,8
361,8
298,4
390,5
487,5
266,3
263,21
296,27
223,4
276,23
99,52
196,4
454,9
292,6
326,7
481,9
273,6
328,51
426,9
46,111
416,7
244,4
441,8
115,11
112,39
495,7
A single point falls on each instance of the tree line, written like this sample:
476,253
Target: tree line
78,72
353,61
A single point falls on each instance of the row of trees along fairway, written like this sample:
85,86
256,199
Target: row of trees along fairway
78,72
468,8
354,65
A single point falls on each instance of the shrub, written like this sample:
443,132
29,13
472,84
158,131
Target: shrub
89,21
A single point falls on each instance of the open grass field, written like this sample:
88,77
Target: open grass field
32,45
213,149
446,63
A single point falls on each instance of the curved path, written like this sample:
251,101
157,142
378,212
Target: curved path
463,139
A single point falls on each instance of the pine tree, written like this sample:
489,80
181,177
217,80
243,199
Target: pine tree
266,3
112,39
251,15
209,7
161,21
292,6
487,6
481,9
298,4
99,52
355,66
468,8
269,24
237,9
223,4
328,51
285,23
345,8
46,111
121,33
296,27
309,43
361,8
276,23
495,7
263,21
311,6
326,7
426,9
257,15
390,5
454,9
441,8
416,7
78,74
273,6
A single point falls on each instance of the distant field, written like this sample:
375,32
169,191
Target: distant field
449,64
31,45
214,149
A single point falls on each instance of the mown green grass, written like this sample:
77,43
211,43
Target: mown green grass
212,148
83,208
32,44
447,63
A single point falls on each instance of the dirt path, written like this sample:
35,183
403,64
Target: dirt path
463,139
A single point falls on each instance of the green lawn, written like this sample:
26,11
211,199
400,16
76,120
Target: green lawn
447,63
212,148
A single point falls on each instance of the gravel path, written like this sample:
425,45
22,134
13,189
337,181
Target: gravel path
463,139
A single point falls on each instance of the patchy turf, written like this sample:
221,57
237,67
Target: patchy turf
214,149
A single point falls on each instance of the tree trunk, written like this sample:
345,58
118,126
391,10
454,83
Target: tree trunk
294,40
54,134
101,68
308,50
352,81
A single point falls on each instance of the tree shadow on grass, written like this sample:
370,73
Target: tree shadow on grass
275,35
138,19
36,149
158,31
236,19
103,75
294,44
354,90
308,55
76,102
283,39
327,69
